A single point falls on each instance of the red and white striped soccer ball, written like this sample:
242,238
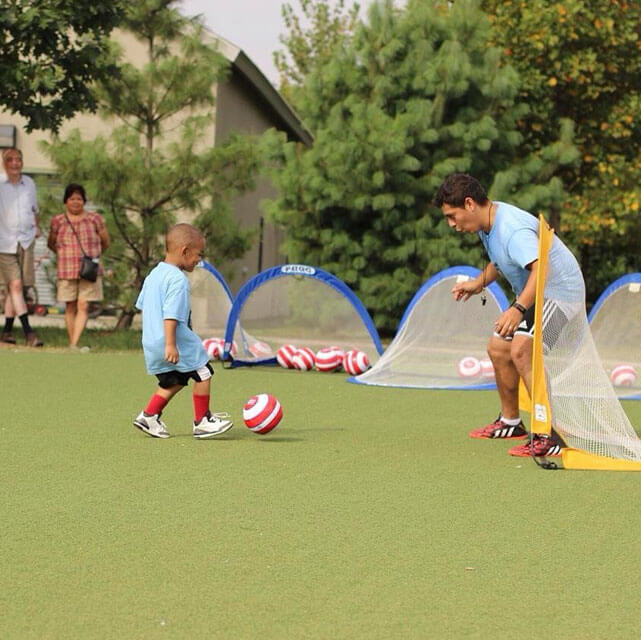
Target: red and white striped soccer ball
214,347
469,367
487,368
329,359
260,349
340,352
355,362
262,413
623,375
304,359
285,354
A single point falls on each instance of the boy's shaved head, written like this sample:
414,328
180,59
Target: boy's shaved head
182,235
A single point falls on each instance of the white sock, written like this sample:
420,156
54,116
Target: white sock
511,422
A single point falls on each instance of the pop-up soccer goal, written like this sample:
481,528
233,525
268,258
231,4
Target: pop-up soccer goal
436,334
615,322
571,391
300,305
211,301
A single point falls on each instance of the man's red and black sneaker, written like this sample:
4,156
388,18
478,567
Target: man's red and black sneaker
498,430
541,446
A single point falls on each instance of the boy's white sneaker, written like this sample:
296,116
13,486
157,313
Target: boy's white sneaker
151,425
212,424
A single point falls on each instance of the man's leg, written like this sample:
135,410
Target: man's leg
506,374
540,446
20,308
508,425
9,318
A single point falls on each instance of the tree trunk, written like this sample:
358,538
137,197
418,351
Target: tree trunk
125,319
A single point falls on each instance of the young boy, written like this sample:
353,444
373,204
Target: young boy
173,352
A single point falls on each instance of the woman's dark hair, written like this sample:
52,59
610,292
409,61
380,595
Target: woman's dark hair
74,188
458,186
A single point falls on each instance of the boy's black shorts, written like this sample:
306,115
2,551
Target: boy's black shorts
169,379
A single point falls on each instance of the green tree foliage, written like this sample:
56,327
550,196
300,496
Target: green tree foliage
581,59
161,159
50,53
416,94
314,33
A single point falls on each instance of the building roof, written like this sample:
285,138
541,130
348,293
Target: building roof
243,64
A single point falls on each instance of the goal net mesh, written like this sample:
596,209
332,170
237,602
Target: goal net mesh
616,328
436,333
210,304
585,409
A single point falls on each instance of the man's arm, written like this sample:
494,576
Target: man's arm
464,290
510,319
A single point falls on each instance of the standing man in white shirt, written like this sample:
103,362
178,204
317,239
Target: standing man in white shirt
18,232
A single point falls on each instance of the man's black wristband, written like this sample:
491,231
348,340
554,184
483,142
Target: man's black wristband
518,306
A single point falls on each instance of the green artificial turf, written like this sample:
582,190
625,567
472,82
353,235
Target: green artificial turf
368,513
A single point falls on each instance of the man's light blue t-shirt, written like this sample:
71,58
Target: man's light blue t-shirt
165,296
513,243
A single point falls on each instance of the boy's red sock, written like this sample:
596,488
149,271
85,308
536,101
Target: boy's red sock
156,405
201,406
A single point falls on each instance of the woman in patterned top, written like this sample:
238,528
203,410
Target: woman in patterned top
71,233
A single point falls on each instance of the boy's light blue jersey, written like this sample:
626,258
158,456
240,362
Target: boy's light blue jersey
513,243
165,296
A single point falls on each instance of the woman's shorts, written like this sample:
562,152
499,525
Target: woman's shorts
79,289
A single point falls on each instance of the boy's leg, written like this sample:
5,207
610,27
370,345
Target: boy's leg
161,398
148,421
201,398
206,424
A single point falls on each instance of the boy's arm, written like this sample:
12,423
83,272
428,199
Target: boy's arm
171,351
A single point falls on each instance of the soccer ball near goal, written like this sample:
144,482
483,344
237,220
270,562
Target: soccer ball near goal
285,354
214,347
356,362
487,368
329,359
262,413
469,367
260,349
623,375
304,359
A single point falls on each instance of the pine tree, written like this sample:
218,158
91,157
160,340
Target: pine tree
161,159
579,59
416,94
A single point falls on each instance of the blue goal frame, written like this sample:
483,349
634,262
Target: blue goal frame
292,270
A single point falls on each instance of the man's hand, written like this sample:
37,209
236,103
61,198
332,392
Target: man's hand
464,290
171,353
508,322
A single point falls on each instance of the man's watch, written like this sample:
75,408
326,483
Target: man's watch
518,306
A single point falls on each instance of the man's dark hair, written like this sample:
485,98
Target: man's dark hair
74,188
458,186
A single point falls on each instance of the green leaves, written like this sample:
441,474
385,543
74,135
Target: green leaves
413,95
50,53
159,157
